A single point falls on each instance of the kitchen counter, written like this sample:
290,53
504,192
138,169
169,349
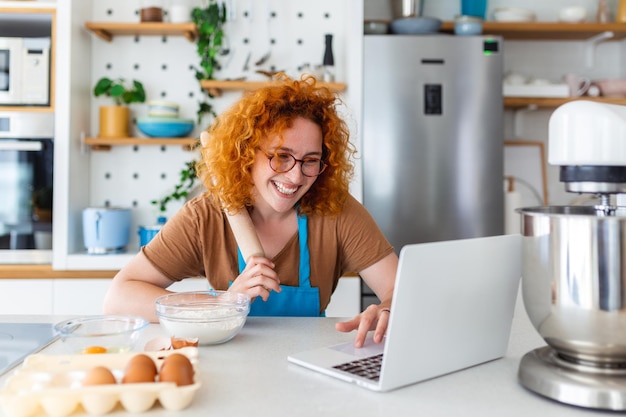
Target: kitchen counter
250,375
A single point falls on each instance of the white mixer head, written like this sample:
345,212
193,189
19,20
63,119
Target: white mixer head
588,140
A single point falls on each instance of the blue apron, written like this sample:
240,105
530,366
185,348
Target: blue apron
301,301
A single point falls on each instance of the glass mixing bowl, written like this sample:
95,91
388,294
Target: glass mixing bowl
101,334
210,316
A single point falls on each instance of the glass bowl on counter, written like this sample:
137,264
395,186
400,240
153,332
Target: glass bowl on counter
101,334
212,317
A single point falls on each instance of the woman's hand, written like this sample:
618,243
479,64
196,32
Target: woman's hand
375,317
258,279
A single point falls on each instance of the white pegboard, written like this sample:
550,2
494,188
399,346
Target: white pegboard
293,31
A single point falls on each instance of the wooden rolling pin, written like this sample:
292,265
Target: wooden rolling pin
241,225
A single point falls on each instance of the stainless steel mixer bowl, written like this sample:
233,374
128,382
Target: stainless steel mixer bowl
574,281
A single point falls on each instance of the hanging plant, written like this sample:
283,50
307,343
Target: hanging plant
185,185
209,23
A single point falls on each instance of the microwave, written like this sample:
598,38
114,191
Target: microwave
24,71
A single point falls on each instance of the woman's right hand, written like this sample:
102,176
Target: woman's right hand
258,279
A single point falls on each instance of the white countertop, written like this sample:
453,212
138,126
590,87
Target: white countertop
250,375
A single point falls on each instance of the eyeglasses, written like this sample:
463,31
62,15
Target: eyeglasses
284,162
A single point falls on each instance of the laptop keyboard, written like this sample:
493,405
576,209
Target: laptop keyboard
367,367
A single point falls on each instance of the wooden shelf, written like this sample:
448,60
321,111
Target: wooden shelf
215,87
541,102
103,144
107,31
538,31
29,109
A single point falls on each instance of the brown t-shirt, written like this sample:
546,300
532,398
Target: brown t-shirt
198,242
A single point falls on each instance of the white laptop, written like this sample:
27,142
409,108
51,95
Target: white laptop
452,308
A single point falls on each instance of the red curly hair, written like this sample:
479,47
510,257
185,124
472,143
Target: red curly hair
236,135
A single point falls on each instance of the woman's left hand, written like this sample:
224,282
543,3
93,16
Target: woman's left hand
375,317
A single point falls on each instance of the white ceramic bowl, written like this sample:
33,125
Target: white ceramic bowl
101,334
212,317
573,14
513,14
162,108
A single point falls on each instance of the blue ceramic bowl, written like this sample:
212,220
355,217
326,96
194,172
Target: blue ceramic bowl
415,25
165,127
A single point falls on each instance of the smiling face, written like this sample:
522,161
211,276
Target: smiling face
279,192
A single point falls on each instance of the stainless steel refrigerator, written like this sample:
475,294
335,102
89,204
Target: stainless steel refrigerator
433,137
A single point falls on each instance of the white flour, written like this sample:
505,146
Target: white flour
211,331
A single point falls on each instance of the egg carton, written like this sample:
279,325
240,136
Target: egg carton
52,385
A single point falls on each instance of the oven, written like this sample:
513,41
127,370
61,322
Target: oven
26,164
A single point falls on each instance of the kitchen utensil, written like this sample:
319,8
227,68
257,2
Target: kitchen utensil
578,258
241,225
574,264
263,59
213,317
246,64
415,25
101,334
225,49
106,229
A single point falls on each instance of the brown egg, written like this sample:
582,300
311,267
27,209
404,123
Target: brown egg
140,368
99,375
177,368
142,359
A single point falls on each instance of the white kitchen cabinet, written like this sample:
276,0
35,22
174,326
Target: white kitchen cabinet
74,297
77,297
25,296
52,296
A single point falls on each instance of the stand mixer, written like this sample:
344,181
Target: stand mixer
574,264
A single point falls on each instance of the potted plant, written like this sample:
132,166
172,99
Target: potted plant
209,22
114,120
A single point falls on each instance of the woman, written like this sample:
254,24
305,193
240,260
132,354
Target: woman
282,153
